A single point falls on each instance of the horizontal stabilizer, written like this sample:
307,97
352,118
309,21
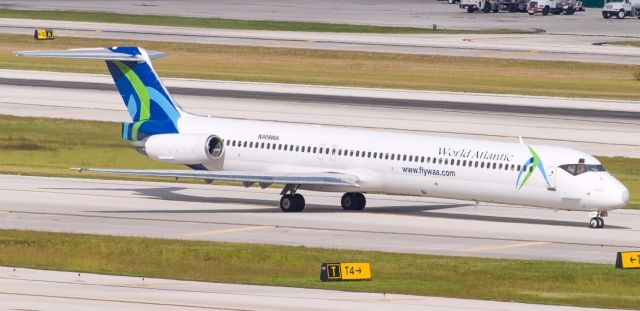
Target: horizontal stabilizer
92,53
324,179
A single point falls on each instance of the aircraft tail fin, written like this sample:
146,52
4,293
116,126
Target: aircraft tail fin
150,105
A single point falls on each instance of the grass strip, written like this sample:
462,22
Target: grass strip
344,68
223,23
49,147
630,43
530,281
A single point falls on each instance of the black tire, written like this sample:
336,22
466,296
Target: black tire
362,201
531,13
513,8
621,14
451,1
546,10
605,15
287,203
299,202
348,201
470,9
487,7
600,222
569,12
593,223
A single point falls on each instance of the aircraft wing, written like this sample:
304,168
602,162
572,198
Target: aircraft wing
248,177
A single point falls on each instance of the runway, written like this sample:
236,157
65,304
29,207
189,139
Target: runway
29,289
251,215
558,47
600,127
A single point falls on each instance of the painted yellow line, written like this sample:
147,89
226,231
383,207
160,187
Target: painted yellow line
213,232
495,247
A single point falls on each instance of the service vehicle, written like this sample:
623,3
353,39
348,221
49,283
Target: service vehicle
494,5
546,7
621,9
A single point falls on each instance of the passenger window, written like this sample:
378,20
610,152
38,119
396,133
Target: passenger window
339,152
375,155
315,149
326,150
386,156
415,158
458,163
494,166
393,156
446,161
244,144
410,158
422,159
500,166
369,154
440,161
476,164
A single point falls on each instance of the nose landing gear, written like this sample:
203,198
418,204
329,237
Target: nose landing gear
596,221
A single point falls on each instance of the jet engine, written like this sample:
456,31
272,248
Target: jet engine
184,148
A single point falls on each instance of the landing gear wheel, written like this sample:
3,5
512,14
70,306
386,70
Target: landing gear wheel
596,222
299,202
292,203
353,201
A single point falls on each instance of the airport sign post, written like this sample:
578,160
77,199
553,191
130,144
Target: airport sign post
43,34
628,260
345,271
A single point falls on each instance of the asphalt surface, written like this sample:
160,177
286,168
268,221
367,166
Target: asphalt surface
567,47
29,289
347,100
415,13
251,215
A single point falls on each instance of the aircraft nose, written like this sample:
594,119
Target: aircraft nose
625,196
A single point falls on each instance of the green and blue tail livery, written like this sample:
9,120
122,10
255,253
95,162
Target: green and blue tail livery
150,106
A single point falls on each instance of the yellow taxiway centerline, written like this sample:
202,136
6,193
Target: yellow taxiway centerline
214,232
495,247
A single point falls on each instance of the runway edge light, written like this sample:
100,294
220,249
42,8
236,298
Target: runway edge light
345,271
43,34
628,260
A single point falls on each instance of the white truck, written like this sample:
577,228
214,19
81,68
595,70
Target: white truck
494,5
621,8
567,7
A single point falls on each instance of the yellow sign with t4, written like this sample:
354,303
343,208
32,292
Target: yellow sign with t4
628,260
345,271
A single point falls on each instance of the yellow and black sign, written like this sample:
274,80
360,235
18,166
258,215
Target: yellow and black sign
628,260
345,271
43,34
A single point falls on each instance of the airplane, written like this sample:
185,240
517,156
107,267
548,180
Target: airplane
341,159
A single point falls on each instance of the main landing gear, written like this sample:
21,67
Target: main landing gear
294,202
596,221
353,201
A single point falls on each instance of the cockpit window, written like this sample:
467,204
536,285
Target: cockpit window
577,169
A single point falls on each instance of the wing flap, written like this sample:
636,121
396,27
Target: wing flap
264,178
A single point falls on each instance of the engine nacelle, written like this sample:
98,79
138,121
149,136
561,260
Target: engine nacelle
184,148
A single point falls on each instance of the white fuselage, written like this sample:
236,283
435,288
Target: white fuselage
414,164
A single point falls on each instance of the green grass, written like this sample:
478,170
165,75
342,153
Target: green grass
630,43
222,23
343,68
547,282
49,147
